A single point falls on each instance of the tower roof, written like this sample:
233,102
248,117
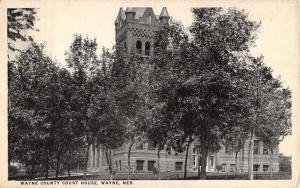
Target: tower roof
129,9
121,16
164,12
139,11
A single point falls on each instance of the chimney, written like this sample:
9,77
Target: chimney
164,16
130,14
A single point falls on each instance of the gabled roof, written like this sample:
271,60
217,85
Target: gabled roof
139,11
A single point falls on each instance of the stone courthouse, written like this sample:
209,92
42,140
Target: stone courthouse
134,33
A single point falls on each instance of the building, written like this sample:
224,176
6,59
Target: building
135,29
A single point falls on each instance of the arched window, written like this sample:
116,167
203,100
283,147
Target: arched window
138,46
147,48
155,47
125,47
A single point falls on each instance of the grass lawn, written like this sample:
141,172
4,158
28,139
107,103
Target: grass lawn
168,176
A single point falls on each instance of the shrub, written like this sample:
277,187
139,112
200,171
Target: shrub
12,171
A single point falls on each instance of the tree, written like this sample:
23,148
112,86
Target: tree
82,59
19,20
219,35
256,81
29,128
159,131
104,116
284,163
129,84
63,131
166,83
276,106
199,75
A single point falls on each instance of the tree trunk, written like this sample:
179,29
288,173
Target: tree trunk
129,152
47,166
204,152
250,158
68,162
57,163
47,170
236,163
32,171
198,163
94,154
87,150
186,158
158,163
243,156
111,170
271,166
108,160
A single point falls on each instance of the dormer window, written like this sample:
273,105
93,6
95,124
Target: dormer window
149,19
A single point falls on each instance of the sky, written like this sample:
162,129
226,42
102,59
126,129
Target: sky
60,20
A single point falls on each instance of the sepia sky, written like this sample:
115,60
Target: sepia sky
60,20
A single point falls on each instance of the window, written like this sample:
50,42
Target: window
176,154
125,46
256,167
232,167
151,166
139,46
139,165
194,160
139,146
265,168
228,147
147,48
117,166
256,147
271,151
211,161
168,149
265,149
178,166
150,146
120,164
194,150
223,167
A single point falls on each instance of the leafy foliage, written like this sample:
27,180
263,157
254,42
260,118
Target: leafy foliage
19,20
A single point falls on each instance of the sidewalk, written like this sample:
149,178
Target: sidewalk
63,176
